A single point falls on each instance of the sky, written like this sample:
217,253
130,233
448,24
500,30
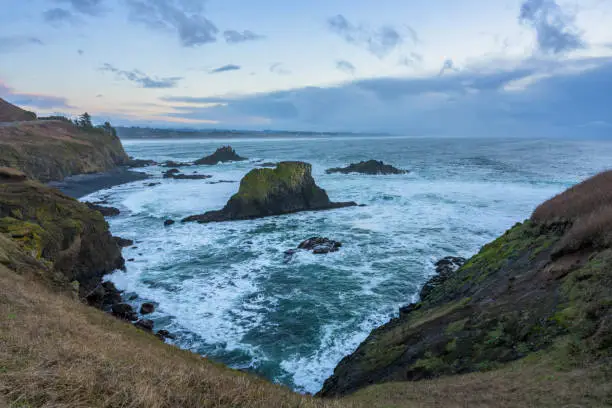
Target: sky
413,67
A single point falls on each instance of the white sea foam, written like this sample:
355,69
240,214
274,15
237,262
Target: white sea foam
227,288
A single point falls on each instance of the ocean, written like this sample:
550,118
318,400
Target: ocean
227,290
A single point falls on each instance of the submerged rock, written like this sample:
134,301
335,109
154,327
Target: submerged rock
164,334
145,324
372,167
140,163
167,223
319,245
147,308
177,175
288,188
171,163
222,155
123,243
104,210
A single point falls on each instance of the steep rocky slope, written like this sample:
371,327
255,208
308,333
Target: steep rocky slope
264,192
53,150
71,242
545,284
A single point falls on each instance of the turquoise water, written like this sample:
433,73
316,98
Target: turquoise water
226,289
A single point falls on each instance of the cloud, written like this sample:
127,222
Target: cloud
234,37
345,66
555,30
565,100
16,43
225,68
33,100
88,7
143,80
411,60
277,68
448,65
183,17
58,16
379,41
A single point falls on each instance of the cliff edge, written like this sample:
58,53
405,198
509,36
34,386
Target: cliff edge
546,284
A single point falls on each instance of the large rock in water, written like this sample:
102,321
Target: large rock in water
222,155
72,240
286,189
372,167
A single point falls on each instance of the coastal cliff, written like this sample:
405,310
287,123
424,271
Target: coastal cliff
49,150
546,284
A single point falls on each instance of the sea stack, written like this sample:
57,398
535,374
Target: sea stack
222,155
288,188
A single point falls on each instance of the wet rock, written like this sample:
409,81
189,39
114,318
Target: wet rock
171,163
165,334
177,175
445,267
103,296
288,188
105,211
140,163
131,260
409,308
320,245
152,184
222,155
167,223
123,243
371,167
147,308
145,324
124,311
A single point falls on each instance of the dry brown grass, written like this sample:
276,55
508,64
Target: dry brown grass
55,352
579,200
587,207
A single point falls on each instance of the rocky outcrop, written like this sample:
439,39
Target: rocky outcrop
147,308
177,175
60,232
222,155
545,284
12,113
445,267
172,163
138,163
320,245
104,210
372,167
288,188
168,223
54,149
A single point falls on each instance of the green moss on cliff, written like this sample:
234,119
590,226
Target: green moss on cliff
258,184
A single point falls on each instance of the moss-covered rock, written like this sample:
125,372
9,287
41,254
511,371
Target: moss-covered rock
516,296
72,240
264,192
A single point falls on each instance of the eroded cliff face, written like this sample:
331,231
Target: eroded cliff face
545,282
52,150
69,241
